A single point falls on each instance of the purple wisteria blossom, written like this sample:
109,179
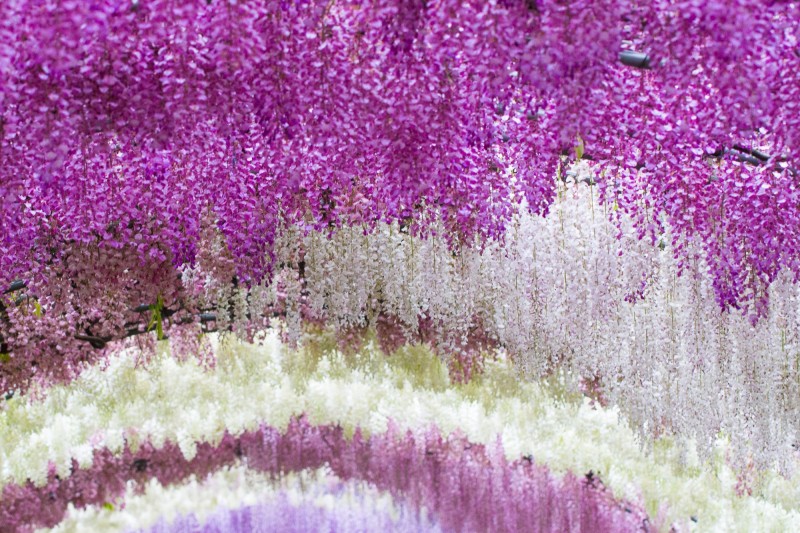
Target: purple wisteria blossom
126,128
281,515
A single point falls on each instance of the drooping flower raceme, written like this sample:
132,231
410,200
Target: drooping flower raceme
125,127
574,292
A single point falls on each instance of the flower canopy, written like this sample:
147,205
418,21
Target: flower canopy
603,195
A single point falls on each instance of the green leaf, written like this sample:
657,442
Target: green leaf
156,320
579,149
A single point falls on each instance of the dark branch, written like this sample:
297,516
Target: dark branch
761,156
15,286
635,59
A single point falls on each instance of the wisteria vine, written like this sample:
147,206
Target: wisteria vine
128,128
604,193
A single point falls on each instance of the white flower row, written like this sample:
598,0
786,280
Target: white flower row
262,383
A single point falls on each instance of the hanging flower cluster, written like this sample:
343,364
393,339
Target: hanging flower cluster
604,193
574,292
633,324
126,126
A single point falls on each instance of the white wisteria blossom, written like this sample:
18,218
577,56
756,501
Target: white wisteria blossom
579,294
